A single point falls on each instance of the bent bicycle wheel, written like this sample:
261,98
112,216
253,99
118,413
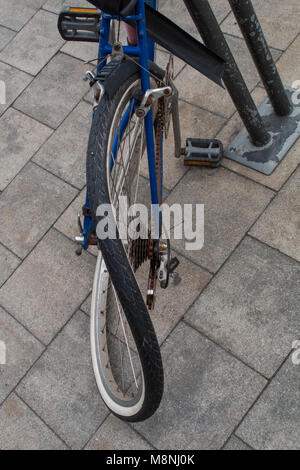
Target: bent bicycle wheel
125,351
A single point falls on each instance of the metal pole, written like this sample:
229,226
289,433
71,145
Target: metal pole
213,37
258,46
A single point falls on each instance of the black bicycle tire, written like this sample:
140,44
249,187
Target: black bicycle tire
116,259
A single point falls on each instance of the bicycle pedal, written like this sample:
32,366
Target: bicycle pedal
203,152
80,24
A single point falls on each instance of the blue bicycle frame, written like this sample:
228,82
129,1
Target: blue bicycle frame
145,52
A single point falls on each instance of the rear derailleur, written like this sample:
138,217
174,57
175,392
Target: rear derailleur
162,267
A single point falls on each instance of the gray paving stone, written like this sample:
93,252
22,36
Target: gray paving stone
14,14
114,434
21,429
194,122
15,81
235,443
279,21
171,304
32,47
86,306
49,286
207,392
55,91
61,387
22,349
21,137
279,224
64,154
8,262
277,179
6,35
57,5
289,64
274,421
82,50
178,13
29,206
67,222
250,307
231,205
197,89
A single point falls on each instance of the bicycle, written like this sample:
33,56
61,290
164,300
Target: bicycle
134,101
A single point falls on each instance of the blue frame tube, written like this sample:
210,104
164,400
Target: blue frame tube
144,51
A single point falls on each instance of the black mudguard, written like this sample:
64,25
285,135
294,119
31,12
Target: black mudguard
170,36
122,71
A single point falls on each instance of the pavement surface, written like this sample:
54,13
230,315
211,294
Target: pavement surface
227,330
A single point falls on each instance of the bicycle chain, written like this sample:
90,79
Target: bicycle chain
142,250
159,131
154,254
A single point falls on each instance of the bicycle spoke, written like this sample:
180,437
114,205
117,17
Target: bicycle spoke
125,336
